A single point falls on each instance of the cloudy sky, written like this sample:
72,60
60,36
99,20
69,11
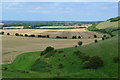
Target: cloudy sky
59,11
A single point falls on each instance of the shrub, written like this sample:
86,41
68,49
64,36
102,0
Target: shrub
104,35
94,62
96,41
79,37
107,37
48,49
21,34
64,55
48,36
60,66
8,33
32,35
79,54
60,51
116,59
51,53
16,34
76,46
95,36
103,38
26,35
85,58
74,37
2,33
39,35
80,43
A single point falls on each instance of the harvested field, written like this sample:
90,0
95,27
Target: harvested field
69,33
13,45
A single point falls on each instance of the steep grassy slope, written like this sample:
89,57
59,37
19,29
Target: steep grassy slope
49,66
108,24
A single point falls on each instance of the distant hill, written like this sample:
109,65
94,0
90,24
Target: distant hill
107,26
111,23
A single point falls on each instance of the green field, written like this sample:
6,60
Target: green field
43,67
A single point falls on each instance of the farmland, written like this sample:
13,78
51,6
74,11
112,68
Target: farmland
15,45
96,55
69,33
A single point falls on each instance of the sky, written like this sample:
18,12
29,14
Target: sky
59,11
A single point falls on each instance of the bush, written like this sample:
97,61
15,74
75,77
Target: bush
104,35
79,37
39,35
95,36
2,33
96,41
51,53
16,34
8,33
26,35
60,51
79,54
116,59
60,66
32,35
85,58
48,49
103,38
107,37
74,37
80,43
94,62
21,34
76,46
48,36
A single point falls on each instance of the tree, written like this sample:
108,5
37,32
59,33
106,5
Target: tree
80,43
96,41
2,33
48,36
103,38
26,35
32,35
95,36
21,34
94,62
79,37
16,34
8,33
48,49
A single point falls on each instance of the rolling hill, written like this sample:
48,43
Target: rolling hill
32,65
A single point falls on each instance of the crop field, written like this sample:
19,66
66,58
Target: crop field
69,33
14,45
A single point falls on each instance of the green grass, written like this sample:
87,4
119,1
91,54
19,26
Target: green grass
24,61
42,67
107,24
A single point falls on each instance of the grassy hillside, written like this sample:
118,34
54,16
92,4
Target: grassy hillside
31,65
107,26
